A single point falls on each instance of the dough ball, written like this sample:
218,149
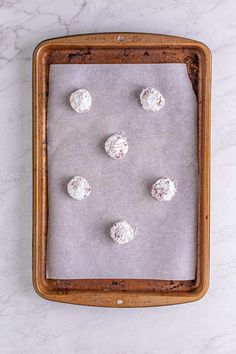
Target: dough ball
81,100
116,146
164,189
78,188
151,99
121,232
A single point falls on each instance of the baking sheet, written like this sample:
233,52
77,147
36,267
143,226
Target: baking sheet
161,143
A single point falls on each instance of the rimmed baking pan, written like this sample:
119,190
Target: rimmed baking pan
124,49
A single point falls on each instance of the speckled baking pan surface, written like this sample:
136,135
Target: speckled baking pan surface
74,258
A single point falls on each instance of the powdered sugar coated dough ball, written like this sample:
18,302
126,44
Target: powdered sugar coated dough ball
81,101
116,146
121,232
164,189
78,188
151,99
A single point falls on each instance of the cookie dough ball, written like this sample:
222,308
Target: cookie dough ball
121,232
78,188
81,100
164,189
116,146
151,99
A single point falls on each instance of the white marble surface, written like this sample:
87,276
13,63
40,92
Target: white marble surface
29,324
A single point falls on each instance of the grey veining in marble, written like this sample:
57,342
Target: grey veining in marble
29,324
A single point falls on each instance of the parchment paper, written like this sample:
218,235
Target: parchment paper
161,144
